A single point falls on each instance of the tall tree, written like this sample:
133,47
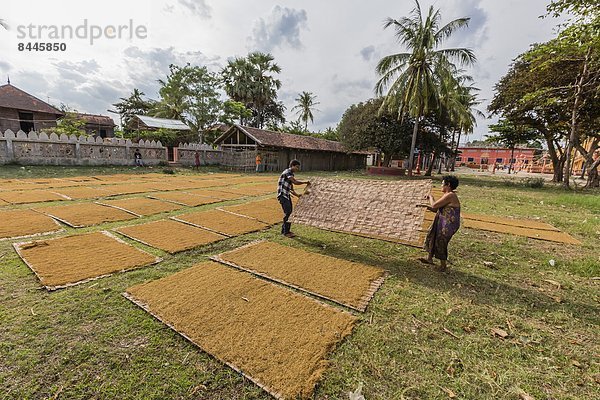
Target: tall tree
510,136
190,94
305,105
252,81
363,126
412,77
135,104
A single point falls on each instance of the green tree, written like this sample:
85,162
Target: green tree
509,135
135,104
305,105
70,123
363,126
412,77
252,81
190,94
330,134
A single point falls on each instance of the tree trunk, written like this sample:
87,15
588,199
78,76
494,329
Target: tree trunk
455,153
574,114
430,166
593,176
387,159
512,157
413,144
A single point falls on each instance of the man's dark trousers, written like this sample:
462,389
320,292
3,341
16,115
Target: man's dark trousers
286,204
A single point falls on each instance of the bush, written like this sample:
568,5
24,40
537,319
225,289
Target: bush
169,171
163,163
534,183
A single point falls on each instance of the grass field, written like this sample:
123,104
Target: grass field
514,328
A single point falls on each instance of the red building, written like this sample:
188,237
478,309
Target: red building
476,156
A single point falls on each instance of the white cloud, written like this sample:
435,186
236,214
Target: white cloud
335,59
282,27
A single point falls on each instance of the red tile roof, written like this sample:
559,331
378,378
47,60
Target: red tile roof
12,97
286,140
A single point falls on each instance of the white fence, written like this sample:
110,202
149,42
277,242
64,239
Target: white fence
42,149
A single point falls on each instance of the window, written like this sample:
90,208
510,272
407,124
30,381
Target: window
484,160
103,133
499,160
470,159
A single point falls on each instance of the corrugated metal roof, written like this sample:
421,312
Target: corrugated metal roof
153,122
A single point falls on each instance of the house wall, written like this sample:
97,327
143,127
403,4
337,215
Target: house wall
40,149
9,119
474,155
94,130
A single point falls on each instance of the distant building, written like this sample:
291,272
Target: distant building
145,123
21,111
98,125
476,156
241,144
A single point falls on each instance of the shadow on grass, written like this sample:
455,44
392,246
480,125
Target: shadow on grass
477,288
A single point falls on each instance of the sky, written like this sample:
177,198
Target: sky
329,48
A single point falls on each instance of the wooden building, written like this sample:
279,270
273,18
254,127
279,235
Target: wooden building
98,125
241,144
21,111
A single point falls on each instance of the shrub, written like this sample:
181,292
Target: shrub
169,171
535,183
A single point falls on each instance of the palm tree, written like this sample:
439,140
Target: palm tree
413,76
251,81
304,108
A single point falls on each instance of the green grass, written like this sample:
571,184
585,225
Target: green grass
425,334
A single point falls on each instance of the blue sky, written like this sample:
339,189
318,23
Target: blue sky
329,47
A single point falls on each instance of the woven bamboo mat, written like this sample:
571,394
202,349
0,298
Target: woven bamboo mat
86,214
385,210
72,260
169,235
268,211
184,198
278,339
221,222
82,193
547,235
519,222
142,206
24,223
343,282
30,196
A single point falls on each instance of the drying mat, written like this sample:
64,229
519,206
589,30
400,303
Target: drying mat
82,193
523,223
142,206
184,198
385,210
551,236
268,211
208,183
217,194
170,236
276,338
22,223
344,282
72,260
129,188
221,222
30,196
252,190
86,214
